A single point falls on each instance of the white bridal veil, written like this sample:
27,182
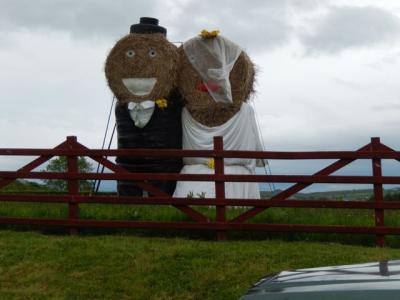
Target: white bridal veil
213,58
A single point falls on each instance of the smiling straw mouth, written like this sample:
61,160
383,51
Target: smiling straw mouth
139,86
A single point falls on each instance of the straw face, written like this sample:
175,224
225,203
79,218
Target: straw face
213,59
142,67
198,100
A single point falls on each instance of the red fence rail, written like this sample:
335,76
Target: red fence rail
72,149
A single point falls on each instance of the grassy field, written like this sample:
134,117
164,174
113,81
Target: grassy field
119,266
43,263
167,213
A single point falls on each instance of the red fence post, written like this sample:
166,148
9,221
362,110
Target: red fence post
220,189
73,184
378,191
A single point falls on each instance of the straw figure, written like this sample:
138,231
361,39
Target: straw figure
216,79
141,71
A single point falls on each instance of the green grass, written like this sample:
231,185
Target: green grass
168,213
37,266
23,186
155,264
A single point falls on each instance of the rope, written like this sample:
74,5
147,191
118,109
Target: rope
266,165
108,148
94,188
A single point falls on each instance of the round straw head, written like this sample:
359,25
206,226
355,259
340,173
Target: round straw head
142,67
198,99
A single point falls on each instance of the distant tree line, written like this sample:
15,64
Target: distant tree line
59,164
389,196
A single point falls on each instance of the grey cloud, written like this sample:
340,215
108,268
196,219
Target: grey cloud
384,61
258,25
387,107
89,18
255,24
347,27
350,84
391,58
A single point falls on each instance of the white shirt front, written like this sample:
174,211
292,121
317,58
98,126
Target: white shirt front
141,112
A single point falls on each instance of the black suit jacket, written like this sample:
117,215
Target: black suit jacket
163,131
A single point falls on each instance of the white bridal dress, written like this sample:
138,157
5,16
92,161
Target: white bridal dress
239,133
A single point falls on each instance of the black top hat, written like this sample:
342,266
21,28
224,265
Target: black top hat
148,25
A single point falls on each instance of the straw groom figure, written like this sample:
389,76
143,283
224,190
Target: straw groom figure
141,71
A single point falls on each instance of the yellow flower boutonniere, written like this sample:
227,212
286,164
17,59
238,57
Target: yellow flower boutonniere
205,34
162,103
210,163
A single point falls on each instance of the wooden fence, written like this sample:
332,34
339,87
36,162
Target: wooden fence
72,149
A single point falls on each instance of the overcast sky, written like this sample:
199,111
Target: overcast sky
328,71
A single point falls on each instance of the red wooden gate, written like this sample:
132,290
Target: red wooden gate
375,151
